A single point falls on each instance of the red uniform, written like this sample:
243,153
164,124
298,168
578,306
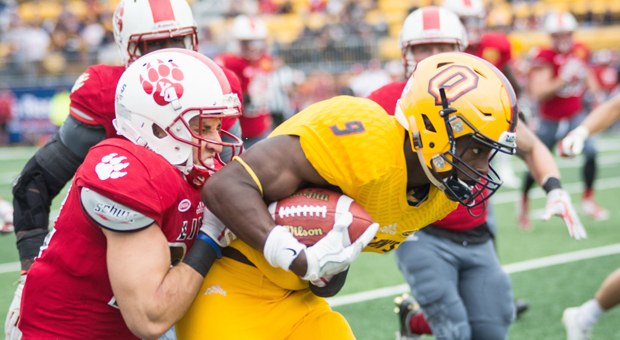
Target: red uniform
607,77
68,293
567,102
457,220
493,47
92,96
254,77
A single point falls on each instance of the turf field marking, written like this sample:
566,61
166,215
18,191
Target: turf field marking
509,268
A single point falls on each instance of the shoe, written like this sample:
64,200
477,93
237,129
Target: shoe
590,208
406,308
7,228
521,306
573,329
523,218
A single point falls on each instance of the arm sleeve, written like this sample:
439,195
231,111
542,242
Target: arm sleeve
110,214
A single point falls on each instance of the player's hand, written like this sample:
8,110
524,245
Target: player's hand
10,325
572,144
331,255
573,70
216,230
558,203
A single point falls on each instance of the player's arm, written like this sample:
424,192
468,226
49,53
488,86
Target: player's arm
543,168
535,154
151,296
272,170
602,117
543,84
45,174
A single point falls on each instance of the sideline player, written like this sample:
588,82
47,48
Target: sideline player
461,239
579,321
558,81
253,66
407,171
138,29
125,259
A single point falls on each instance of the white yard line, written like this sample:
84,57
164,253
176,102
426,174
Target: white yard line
509,268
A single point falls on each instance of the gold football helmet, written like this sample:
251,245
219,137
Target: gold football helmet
452,95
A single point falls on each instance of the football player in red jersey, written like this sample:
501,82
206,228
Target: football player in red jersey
461,241
129,252
139,27
558,80
493,47
253,66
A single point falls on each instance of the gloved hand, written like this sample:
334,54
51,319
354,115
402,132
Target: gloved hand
10,326
573,70
330,255
559,203
216,230
572,144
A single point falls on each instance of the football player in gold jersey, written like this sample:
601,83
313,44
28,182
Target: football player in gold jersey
407,171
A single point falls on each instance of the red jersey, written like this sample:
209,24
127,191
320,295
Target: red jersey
254,77
606,76
457,220
567,102
92,96
494,47
68,293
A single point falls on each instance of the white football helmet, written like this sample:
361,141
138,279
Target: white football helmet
251,35
138,21
560,22
168,88
472,14
430,25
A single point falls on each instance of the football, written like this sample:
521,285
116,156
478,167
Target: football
309,214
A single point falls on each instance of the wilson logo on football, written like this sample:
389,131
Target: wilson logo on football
160,82
184,205
300,231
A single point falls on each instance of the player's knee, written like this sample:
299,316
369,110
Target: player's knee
452,331
447,321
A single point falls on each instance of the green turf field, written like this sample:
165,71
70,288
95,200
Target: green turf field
549,288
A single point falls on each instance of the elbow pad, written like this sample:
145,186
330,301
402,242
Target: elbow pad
332,287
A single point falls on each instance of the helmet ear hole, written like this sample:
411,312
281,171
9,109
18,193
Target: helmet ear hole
427,123
158,131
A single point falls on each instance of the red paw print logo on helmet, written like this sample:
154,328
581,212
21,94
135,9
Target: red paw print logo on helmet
161,80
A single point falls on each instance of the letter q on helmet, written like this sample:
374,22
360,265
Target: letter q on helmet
168,88
136,22
430,25
477,101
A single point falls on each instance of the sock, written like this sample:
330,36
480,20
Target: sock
419,326
587,193
589,313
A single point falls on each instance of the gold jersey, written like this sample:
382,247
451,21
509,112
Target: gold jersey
355,145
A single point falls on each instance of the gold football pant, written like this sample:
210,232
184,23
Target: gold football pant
237,301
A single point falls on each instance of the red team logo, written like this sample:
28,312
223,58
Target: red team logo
160,82
118,17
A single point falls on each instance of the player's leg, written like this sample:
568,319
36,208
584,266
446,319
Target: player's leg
321,322
431,270
589,205
546,133
487,293
578,321
236,301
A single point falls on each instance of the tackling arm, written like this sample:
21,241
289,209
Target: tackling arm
603,116
151,296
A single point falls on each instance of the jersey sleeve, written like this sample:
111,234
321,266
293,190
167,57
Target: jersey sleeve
134,184
112,215
387,96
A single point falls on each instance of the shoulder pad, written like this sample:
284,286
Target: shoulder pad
112,215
